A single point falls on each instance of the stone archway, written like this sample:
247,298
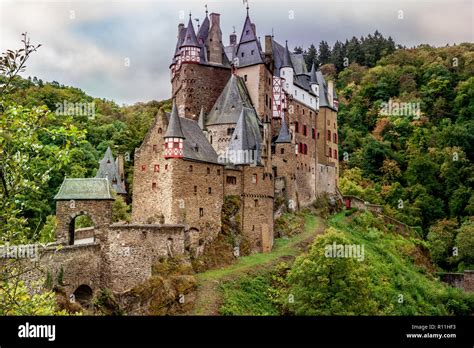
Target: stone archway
83,295
86,234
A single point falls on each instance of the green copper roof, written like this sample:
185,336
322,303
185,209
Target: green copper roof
87,188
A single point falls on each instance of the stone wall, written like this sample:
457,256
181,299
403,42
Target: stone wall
469,280
133,249
152,178
198,197
100,211
326,179
302,117
196,85
257,208
327,121
284,160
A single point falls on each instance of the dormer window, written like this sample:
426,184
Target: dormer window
247,32
252,52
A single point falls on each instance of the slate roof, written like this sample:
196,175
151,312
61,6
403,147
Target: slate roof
230,102
190,38
323,97
284,135
203,30
174,126
249,46
312,75
85,189
108,169
246,140
201,119
195,144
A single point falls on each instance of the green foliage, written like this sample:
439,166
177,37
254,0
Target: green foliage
441,240
426,160
465,242
392,266
324,285
120,210
249,295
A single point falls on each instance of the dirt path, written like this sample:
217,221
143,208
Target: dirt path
208,300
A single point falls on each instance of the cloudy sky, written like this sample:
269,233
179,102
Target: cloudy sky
89,43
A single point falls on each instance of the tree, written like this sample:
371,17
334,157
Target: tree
324,56
322,285
311,57
465,243
441,240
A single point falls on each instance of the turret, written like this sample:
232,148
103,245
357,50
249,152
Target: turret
174,136
286,70
215,40
190,48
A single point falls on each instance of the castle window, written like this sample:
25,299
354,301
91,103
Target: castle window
254,178
231,180
247,32
218,172
305,149
230,131
209,190
256,203
296,127
195,189
143,167
153,186
155,148
329,135
245,78
335,137
282,151
335,153
304,129
190,169
318,135
166,167
160,131
252,52
330,153
201,212
208,170
157,168
242,54
313,133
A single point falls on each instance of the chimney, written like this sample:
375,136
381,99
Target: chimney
331,92
214,40
215,19
233,39
254,28
268,45
180,27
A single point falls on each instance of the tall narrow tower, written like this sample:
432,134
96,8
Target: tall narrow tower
174,136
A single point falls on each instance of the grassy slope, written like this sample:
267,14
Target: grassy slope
209,290
404,278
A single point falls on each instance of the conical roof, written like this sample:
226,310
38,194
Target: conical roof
284,135
174,126
312,75
203,31
247,32
190,36
286,63
201,119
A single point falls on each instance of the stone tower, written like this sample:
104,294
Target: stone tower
199,69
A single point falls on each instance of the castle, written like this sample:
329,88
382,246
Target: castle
246,123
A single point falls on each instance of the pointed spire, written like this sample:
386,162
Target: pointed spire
190,36
174,126
286,57
201,119
312,75
248,34
284,135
